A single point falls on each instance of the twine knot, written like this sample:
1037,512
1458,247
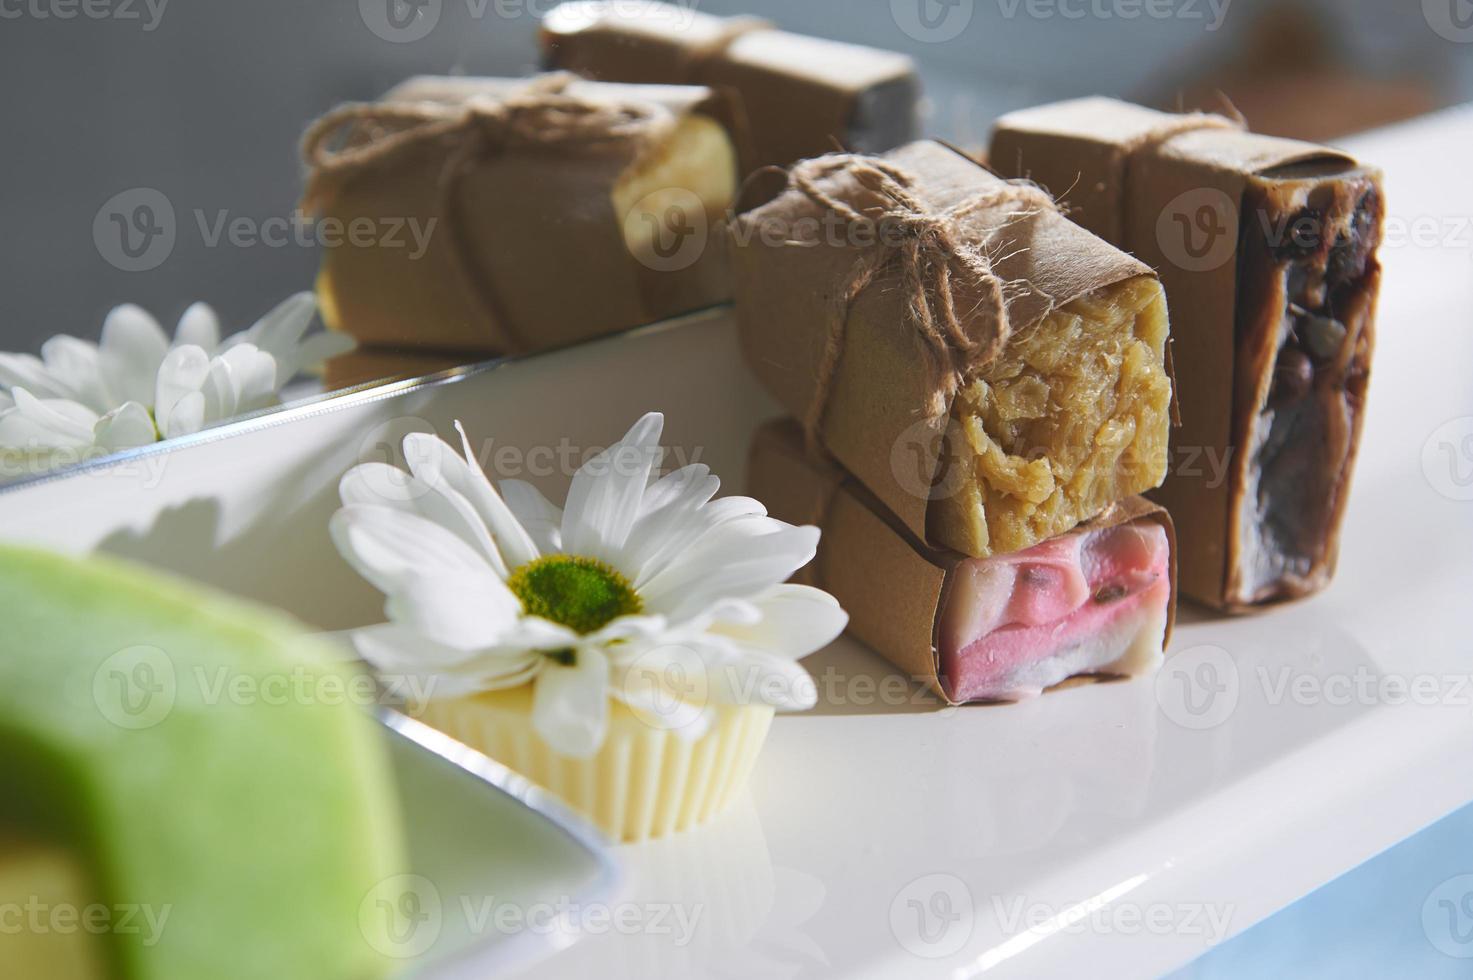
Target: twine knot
937,269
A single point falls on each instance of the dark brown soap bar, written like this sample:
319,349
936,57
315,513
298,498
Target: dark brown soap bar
1267,248
804,96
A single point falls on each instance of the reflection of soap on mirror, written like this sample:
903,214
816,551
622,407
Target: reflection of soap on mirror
545,242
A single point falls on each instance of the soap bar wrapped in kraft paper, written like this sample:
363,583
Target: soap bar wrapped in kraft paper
1267,248
1095,601
992,373
547,211
803,96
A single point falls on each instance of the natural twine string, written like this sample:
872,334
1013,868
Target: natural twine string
925,245
361,137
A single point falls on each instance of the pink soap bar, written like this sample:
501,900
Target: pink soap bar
1087,602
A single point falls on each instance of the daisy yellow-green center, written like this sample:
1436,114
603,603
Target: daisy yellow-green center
582,594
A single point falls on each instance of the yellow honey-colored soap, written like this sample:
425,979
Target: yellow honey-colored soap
1072,416
646,780
696,167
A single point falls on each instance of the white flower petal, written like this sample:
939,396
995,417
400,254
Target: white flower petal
6,402
198,326
627,628
662,710
759,678
46,423
381,484
420,669
394,549
738,559
279,333
222,397
796,620
76,365
570,705
126,427
446,482
182,373
541,518
466,612
132,349
253,372
26,371
318,348
187,418
604,499
468,477
663,535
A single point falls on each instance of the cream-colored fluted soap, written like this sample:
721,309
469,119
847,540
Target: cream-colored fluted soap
645,781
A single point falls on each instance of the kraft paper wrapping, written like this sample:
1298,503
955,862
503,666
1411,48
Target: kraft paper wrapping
803,96
1152,197
877,405
892,585
543,237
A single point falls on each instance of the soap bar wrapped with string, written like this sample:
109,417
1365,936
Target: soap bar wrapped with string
505,216
1267,248
990,372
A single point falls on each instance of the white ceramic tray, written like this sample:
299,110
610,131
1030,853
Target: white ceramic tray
1114,830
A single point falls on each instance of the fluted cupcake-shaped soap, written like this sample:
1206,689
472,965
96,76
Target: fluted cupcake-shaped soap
626,652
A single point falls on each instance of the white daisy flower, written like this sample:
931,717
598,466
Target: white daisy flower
635,575
136,386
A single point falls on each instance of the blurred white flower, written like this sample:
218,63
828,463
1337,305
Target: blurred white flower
640,589
136,386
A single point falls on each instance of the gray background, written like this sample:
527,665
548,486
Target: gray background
207,108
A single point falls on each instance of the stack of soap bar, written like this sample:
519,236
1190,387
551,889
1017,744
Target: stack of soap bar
1267,248
803,95
186,775
496,238
1070,416
1094,601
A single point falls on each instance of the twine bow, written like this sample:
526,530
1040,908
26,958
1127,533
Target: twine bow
934,265
361,137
